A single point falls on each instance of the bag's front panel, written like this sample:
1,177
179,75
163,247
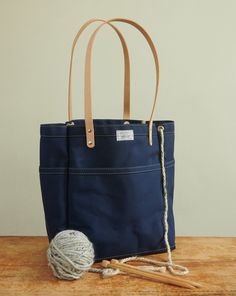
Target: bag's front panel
115,190
121,212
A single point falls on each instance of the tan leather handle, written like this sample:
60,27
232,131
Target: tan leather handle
90,139
126,112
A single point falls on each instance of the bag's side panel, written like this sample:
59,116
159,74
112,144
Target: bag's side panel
170,174
53,177
170,189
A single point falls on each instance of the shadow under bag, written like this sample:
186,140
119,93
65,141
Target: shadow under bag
112,179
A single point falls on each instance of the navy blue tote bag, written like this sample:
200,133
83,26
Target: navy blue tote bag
112,179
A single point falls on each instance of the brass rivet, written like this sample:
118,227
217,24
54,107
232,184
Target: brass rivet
90,142
89,130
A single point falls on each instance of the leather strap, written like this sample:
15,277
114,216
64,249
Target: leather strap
90,139
126,112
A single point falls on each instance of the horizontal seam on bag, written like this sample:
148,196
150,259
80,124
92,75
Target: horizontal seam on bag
91,172
121,125
111,168
115,173
123,168
103,173
129,254
105,135
116,125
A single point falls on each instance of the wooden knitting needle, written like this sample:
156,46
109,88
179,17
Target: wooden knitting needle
150,274
192,283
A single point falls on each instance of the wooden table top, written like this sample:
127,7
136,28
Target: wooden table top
24,270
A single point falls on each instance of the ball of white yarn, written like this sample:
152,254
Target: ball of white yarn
70,254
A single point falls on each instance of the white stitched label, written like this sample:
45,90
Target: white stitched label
124,135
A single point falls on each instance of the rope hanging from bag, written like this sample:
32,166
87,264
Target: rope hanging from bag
170,265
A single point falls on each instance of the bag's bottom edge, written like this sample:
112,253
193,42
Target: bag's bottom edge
149,252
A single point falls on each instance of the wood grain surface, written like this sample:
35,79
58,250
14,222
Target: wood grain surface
24,270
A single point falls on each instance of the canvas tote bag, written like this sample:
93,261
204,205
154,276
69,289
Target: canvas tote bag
112,179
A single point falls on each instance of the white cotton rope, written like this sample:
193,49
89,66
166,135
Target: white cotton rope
70,253
170,265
